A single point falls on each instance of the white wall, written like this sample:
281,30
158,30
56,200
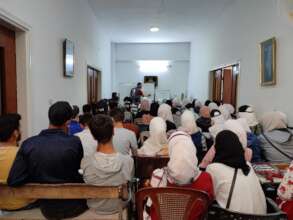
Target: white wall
51,22
234,37
126,69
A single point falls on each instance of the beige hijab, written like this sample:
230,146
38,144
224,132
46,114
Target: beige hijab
273,120
188,122
165,112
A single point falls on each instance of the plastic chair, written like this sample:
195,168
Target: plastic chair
274,213
172,203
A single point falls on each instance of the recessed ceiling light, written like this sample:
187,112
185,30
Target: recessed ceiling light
154,29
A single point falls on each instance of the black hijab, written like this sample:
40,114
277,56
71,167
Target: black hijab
229,151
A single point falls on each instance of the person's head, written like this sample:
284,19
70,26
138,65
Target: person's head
182,166
102,128
213,106
204,112
169,102
154,109
273,120
10,128
113,104
188,122
127,103
165,112
60,114
102,107
158,129
237,128
87,109
217,117
207,102
246,111
85,120
145,105
229,151
75,111
117,115
139,85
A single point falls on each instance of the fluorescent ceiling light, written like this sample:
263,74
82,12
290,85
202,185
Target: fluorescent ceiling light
154,29
153,66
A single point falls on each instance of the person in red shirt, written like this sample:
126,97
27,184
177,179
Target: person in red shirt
182,171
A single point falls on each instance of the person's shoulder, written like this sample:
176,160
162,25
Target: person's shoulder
125,158
214,167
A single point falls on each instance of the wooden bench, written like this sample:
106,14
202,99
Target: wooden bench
63,191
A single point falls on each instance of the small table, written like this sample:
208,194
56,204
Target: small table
270,176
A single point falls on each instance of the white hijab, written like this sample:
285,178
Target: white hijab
250,116
157,139
226,110
273,120
188,122
236,127
218,118
176,102
213,106
165,112
245,126
182,166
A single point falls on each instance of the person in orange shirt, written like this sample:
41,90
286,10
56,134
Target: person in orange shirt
9,137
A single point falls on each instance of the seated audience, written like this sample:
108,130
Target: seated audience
87,109
246,111
89,144
276,134
165,113
204,121
124,140
157,142
106,167
144,108
201,143
285,193
246,196
236,127
9,136
54,157
74,126
182,171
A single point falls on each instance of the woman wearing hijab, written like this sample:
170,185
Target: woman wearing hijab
157,142
275,132
201,143
144,108
246,111
218,123
204,121
165,113
237,128
227,110
213,106
229,162
182,170
285,193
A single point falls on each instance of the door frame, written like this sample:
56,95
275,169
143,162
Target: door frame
99,95
23,68
223,67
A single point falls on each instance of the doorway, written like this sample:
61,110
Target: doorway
8,84
93,85
224,83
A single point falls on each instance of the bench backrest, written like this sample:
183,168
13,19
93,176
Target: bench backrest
64,191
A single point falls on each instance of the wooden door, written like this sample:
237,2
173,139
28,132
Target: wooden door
227,85
8,71
93,85
217,85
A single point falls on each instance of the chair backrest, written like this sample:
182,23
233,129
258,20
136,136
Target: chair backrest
172,203
144,165
274,213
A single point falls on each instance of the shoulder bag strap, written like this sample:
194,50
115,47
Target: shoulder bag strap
231,189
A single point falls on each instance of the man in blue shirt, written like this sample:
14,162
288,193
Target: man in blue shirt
51,157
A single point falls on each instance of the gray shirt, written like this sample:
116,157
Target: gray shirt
124,141
106,170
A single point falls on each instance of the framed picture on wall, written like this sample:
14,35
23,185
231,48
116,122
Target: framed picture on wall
68,58
268,62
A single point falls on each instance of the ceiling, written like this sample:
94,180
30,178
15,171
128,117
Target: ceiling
179,20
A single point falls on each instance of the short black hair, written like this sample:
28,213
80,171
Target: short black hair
86,108
113,104
8,124
75,111
207,102
243,108
59,113
85,119
117,114
101,107
101,127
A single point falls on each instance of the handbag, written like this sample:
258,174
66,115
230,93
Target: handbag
231,189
